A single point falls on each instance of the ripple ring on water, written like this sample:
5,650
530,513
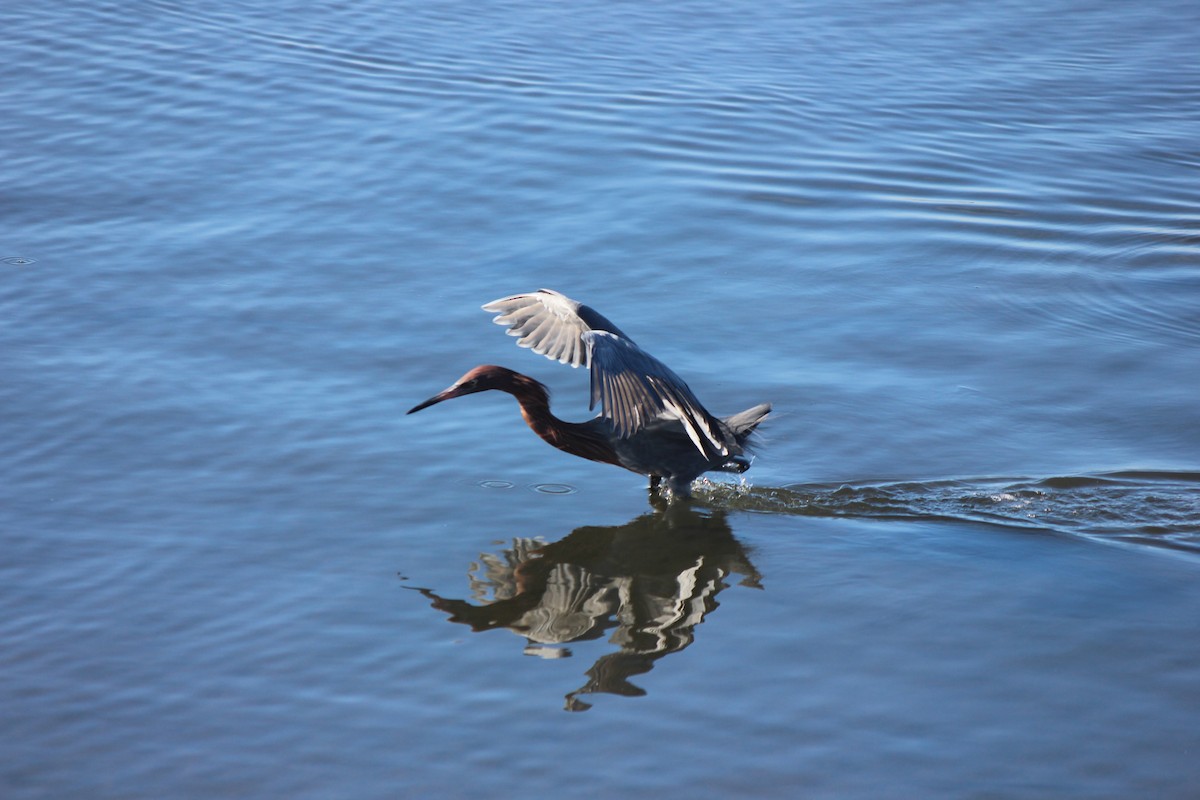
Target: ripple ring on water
554,488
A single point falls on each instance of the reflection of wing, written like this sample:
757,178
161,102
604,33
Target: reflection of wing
634,388
550,324
651,582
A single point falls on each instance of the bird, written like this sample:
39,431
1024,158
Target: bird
650,422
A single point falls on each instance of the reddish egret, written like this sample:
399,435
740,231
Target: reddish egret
649,421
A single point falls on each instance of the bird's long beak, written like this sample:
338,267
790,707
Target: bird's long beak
446,394
437,398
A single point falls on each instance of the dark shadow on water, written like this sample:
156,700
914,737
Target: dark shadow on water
646,585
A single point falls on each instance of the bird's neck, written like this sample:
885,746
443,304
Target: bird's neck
578,439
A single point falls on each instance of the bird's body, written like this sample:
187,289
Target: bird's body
649,423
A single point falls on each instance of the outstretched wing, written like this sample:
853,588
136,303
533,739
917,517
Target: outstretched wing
551,324
634,388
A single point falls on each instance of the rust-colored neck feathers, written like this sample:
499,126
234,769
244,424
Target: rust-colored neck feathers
578,439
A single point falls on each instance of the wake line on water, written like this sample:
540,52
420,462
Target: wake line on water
1154,508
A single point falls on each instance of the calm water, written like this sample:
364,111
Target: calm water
956,245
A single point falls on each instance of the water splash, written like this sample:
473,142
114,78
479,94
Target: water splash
1159,509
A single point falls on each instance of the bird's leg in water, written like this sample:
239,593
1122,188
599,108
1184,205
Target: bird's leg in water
655,480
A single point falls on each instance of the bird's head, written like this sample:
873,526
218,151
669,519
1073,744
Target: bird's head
479,379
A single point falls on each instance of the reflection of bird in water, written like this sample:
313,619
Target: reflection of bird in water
649,421
650,582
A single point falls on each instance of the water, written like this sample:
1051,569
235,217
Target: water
956,246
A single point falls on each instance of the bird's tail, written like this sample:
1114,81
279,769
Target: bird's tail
743,423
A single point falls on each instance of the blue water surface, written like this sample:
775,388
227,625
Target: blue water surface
955,245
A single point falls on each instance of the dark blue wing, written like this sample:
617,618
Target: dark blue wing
634,389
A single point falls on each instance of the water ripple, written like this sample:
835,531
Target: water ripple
1152,508
1134,285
